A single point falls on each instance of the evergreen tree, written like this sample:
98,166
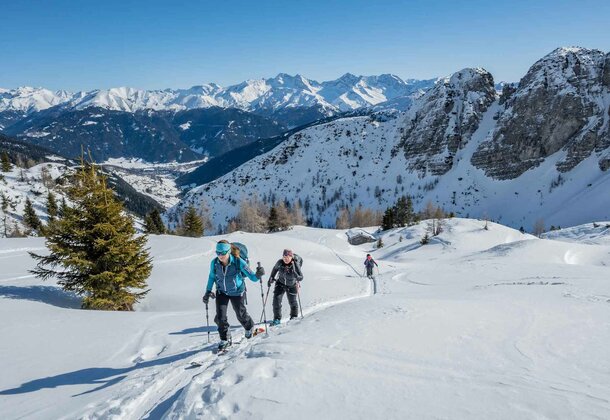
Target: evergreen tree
6,163
63,208
30,218
401,217
192,224
273,222
5,204
94,249
387,221
153,223
52,209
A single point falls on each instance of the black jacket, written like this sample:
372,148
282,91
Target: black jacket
287,274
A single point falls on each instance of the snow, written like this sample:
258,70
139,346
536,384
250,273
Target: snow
491,323
157,180
20,184
590,233
282,91
359,154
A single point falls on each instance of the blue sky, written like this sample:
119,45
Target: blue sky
154,44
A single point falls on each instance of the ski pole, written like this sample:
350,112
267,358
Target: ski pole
207,321
299,297
260,269
265,303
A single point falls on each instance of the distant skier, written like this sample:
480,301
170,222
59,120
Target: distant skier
289,276
370,263
227,271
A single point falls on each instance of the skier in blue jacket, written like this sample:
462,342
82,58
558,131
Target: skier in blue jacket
228,272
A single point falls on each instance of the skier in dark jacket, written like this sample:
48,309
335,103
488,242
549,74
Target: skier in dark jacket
370,263
289,276
228,272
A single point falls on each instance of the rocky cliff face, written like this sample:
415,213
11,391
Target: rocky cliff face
443,120
561,104
537,150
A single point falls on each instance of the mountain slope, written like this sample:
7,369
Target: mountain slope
436,152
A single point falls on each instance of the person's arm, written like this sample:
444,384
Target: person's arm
376,263
211,277
245,269
276,267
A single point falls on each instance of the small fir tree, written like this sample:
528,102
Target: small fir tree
6,163
192,224
94,249
30,218
273,222
153,224
387,221
52,208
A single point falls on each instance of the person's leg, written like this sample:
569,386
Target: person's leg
239,306
222,303
293,301
278,295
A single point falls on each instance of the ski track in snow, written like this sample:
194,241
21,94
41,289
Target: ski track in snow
497,326
150,394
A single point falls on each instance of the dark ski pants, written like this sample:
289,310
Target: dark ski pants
278,295
369,271
239,306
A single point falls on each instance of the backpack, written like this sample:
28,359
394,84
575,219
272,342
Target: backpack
298,260
243,251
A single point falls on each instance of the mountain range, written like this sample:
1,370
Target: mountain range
540,149
188,124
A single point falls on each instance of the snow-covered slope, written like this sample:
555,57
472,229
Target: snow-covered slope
590,233
20,184
493,323
435,152
349,92
29,99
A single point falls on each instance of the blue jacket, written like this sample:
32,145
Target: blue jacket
229,280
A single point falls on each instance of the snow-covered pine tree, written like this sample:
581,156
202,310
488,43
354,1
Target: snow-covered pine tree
94,249
31,219
6,203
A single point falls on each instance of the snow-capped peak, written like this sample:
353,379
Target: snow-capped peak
346,93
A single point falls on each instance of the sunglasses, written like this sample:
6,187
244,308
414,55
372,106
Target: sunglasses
222,253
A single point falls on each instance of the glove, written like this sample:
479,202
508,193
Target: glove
206,298
260,271
270,282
